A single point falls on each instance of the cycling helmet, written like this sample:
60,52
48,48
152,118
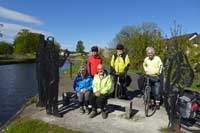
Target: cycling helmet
94,48
120,47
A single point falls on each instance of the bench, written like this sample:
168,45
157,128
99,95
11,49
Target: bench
127,104
123,103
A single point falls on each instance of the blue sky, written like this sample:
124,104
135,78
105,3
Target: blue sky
95,22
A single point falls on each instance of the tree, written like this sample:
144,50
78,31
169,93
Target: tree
6,48
80,47
130,31
136,38
26,42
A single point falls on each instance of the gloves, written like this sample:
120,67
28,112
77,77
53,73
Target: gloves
126,69
112,70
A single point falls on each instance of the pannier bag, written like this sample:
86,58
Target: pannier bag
187,105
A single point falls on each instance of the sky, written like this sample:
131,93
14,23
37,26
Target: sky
95,22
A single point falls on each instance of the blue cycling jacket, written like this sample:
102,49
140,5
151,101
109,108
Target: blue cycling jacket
80,83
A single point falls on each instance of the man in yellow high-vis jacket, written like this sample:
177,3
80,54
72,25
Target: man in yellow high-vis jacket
119,66
102,83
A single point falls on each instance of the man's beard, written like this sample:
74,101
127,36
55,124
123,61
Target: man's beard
101,73
151,57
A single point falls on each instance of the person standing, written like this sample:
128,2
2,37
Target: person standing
93,61
153,66
119,66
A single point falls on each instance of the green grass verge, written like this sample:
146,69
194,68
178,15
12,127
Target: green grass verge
31,101
79,58
16,58
75,68
163,130
27,125
166,130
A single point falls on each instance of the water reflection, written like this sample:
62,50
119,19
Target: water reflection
17,83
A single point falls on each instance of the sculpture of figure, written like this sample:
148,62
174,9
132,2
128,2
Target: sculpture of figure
48,63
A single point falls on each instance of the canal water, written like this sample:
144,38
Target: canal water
17,84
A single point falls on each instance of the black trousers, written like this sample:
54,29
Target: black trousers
100,101
122,90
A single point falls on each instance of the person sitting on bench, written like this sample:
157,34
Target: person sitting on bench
102,83
83,87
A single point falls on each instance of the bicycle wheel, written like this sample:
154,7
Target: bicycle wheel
146,99
117,91
149,108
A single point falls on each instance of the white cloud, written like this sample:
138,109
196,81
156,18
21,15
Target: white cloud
14,15
9,30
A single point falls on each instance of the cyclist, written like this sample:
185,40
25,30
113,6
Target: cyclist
153,67
118,67
83,87
93,61
101,90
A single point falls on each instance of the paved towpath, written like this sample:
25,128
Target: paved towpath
115,123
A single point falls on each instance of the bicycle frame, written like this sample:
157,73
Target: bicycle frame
118,87
147,97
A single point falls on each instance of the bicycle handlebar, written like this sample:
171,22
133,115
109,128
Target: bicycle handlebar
148,76
118,74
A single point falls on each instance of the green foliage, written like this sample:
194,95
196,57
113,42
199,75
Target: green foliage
26,42
136,39
76,64
192,52
130,31
100,52
6,48
106,61
80,47
31,101
75,68
27,125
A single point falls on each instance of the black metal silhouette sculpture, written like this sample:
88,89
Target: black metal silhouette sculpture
179,75
41,62
48,61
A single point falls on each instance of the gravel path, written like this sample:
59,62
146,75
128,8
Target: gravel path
116,121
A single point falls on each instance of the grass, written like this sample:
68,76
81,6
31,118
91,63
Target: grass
27,125
31,101
79,58
16,58
75,68
165,130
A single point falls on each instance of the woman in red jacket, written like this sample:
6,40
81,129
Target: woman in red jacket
93,61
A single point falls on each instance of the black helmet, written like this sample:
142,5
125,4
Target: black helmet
120,47
94,48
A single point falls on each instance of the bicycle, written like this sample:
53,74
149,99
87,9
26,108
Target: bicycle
149,103
119,87
186,109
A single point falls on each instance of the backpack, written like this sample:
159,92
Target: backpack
123,57
128,80
188,105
